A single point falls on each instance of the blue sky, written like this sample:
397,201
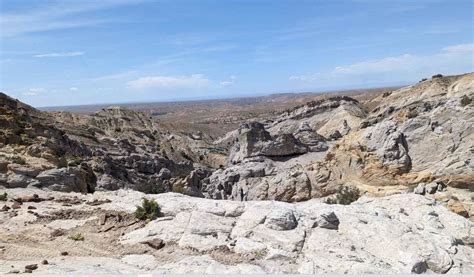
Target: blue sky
113,51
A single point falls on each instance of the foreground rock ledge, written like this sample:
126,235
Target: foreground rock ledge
404,233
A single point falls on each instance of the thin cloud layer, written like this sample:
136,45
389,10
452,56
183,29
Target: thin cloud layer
61,15
170,82
59,55
451,59
34,91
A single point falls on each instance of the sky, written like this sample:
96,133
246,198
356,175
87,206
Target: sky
73,52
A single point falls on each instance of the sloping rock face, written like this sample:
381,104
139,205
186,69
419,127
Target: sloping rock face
405,233
271,161
422,133
418,134
335,114
114,148
30,143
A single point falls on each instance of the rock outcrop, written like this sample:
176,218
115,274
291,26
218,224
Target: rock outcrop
389,149
389,144
418,134
404,233
114,148
254,141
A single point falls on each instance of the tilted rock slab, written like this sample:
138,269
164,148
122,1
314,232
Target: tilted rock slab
401,233
397,234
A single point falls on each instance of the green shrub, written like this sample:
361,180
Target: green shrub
77,237
346,196
465,101
3,197
25,139
156,189
260,254
148,210
73,160
18,160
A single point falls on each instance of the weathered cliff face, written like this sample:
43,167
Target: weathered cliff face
405,233
114,148
326,117
418,134
423,133
259,170
410,156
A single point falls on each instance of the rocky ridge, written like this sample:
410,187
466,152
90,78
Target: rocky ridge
382,151
111,149
73,181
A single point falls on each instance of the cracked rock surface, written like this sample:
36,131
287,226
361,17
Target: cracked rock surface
401,233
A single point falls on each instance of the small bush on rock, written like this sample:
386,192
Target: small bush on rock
148,210
3,196
158,189
18,160
346,196
465,101
260,254
76,237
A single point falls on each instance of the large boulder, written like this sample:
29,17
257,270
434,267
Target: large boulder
254,140
258,179
390,145
281,219
67,179
191,184
307,136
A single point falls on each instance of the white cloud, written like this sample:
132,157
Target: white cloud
33,91
304,78
56,15
29,93
37,89
59,54
191,81
468,47
453,59
229,82
377,66
73,89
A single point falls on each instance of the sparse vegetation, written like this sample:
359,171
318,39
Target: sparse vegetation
465,100
76,237
156,189
149,210
437,76
73,160
412,114
346,196
259,254
25,139
3,196
177,188
18,160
